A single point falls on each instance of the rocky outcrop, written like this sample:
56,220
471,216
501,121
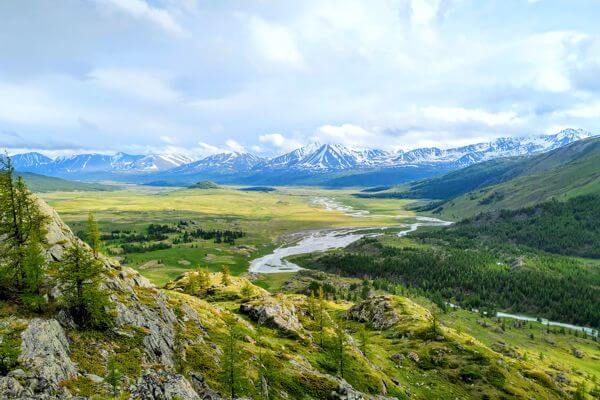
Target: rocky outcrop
163,385
45,354
157,320
378,312
275,313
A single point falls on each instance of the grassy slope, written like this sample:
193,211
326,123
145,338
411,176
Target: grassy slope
435,375
511,182
563,174
43,184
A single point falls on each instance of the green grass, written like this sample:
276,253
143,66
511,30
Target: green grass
43,184
265,217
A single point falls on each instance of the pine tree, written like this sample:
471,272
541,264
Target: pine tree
247,290
80,274
22,226
113,376
263,366
311,305
230,361
225,276
364,340
340,344
33,263
199,281
93,235
321,311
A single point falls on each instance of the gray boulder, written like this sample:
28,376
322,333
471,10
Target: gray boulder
378,312
274,313
45,354
163,385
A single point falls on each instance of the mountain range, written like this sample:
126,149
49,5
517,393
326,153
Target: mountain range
324,164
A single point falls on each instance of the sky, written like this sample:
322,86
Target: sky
267,76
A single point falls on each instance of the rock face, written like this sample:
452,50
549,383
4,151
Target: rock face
162,385
45,354
158,320
378,312
269,311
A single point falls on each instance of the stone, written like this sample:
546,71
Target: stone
45,354
10,388
413,356
274,313
378,312
577,353
163,385
157,320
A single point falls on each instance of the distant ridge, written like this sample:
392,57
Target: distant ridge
321,164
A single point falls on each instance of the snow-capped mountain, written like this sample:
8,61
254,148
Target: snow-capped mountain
24,161
221,163
315,157
312,160
96,163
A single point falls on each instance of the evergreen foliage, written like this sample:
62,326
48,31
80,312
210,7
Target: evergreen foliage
80,274
22,227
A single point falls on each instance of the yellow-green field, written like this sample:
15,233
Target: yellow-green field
265,217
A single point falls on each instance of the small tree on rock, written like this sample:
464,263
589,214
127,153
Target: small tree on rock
80,273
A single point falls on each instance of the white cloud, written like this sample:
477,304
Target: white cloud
142,10
277,141
235,146
208,149
347,134
137,83
275,42
462,115
582,111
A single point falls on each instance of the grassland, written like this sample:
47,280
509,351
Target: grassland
264,217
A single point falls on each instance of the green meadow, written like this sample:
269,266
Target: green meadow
266,219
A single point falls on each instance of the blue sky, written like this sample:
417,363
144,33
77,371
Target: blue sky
267,76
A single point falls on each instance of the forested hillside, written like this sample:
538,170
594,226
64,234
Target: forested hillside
554,287
509,183
569,228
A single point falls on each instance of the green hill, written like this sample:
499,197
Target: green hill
41,184
561,174
570,228
574,168
205,185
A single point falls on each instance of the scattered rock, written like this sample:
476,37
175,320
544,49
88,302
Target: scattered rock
398,358
275,313
163,385
10,388
377,311
413,356
577,353
562,378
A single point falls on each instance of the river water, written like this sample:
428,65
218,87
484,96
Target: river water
329,239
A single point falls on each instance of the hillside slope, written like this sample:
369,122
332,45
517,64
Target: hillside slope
582,159
174,344
41,184
561,174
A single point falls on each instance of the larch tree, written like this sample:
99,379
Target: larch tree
230,360
93,235
80,273
22,227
